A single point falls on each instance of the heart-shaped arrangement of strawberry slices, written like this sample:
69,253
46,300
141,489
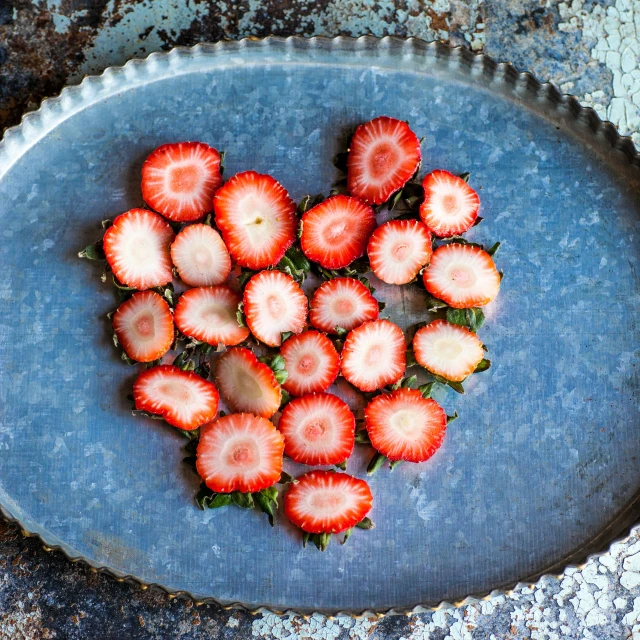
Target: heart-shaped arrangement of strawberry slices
231,293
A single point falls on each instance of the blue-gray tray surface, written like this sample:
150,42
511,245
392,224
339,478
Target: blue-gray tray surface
541,468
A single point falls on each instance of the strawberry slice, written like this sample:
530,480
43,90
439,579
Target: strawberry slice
200,256
311,361
403,425
179,180
344,303
257,219
374,355
144,326
335,232
448,350
327,502
246,384
239,452
398,249
462,275
318,429
137,246
274,304
383,155
450,205
210,314
182,398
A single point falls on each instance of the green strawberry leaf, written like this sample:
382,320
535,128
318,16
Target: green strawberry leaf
483,365
127,359
93,251
492,251
410,382
281,376
456,386
242,499
286,398
426,389
285,335
240,317
245,276
434,304
285,478
278,363
265,504
366,524
376,462
321,540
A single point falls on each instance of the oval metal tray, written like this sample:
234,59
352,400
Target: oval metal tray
542,467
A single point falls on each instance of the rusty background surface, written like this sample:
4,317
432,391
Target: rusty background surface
588,48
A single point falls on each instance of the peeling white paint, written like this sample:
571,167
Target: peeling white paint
355,17
122,38
580,606
317,627
616,30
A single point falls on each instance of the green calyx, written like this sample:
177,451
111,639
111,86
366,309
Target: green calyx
295,264
93,251
277,364
322,540
266,500
472,318
240,317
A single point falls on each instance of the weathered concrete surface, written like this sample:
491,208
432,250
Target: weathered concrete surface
589,48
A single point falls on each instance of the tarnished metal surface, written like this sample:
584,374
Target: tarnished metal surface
456,526
589,595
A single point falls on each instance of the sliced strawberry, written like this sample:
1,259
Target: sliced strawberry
403,425
398,249
462,275
239,452
274,304
383,155
374,355
327,502
246,384
182,398
200,256
318,429
335,232
447,350
344,303
257,219
450,205
144,326
210,314
137,249
179,180
312,363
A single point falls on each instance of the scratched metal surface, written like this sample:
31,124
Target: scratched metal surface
556,411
